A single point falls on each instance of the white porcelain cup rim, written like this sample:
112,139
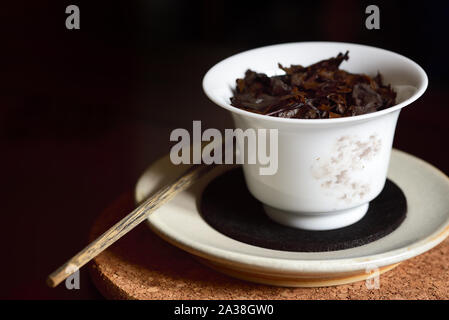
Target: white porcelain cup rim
211,92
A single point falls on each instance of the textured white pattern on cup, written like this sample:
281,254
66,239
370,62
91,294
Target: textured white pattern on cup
350,154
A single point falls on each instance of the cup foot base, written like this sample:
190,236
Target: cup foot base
317,221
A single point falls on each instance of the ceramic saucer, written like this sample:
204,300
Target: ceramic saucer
426,225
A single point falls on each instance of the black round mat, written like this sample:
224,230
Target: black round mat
229,208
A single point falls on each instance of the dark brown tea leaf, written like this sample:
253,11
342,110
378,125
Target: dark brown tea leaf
318,91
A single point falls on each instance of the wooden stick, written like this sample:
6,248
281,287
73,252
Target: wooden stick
128,223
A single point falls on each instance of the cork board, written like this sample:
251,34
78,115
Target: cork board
143,266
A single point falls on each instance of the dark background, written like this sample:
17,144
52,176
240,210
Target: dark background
84,112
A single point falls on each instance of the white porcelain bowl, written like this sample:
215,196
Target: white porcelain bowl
328,169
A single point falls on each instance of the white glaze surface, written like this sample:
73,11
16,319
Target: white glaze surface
325,166
426,225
